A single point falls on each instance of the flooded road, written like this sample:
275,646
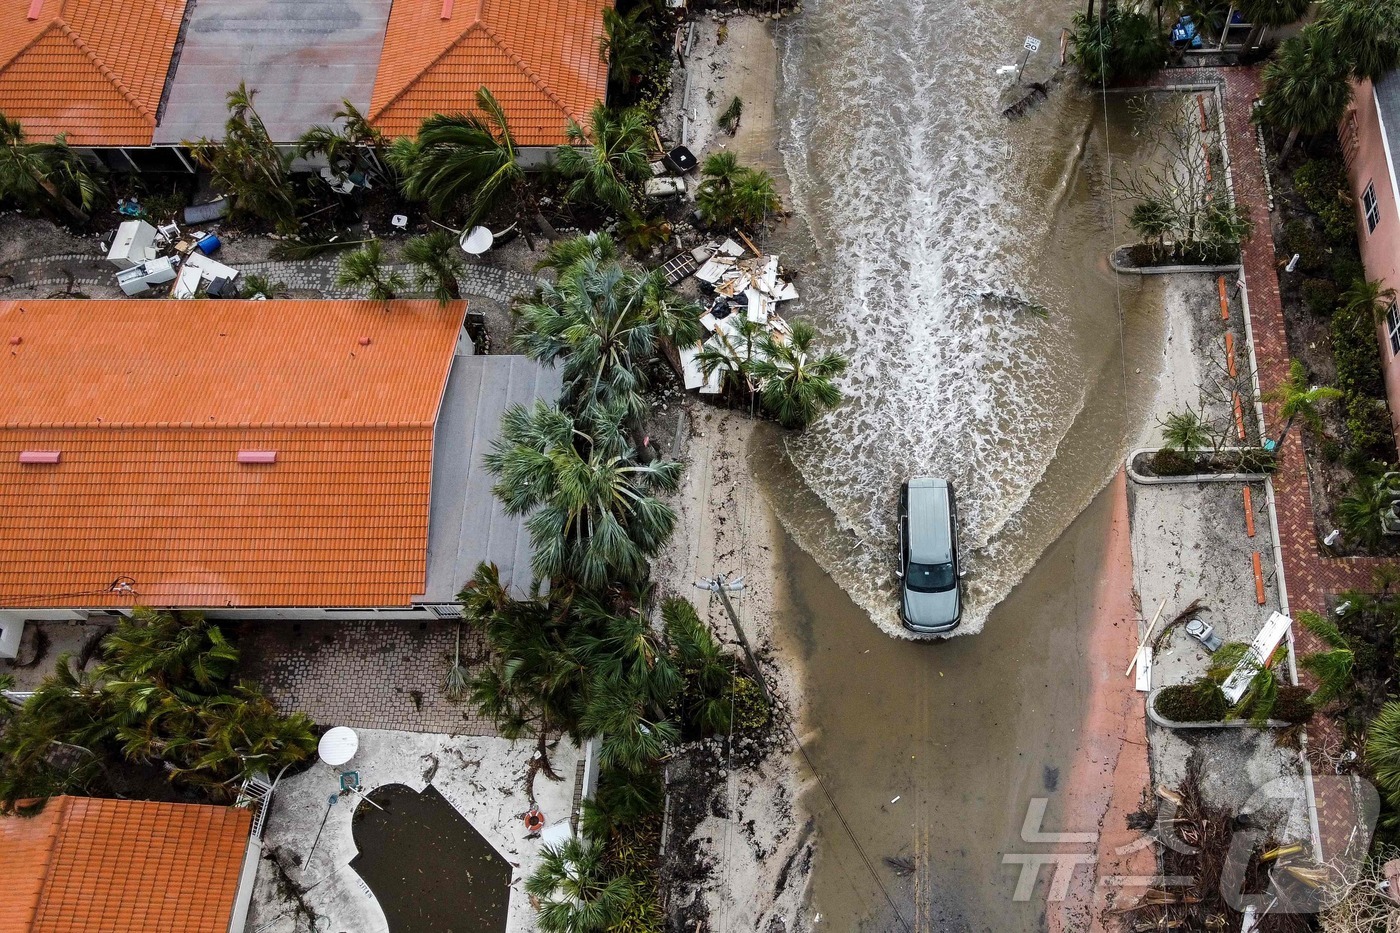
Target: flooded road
965,733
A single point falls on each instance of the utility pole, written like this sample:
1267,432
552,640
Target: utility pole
723,586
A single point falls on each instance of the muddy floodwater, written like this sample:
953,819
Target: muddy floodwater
431,871
933,752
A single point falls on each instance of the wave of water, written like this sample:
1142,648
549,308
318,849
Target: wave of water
899,156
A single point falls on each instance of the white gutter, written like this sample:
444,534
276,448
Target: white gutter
1385,138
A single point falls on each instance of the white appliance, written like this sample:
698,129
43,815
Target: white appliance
134,244
138,278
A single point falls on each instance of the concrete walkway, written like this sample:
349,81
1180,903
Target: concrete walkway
319,275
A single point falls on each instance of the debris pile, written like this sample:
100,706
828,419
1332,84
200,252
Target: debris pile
742,311
148,257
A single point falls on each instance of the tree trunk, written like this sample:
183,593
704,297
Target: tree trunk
1287,425
542,745
454,288
1089,13
71,209
1288,145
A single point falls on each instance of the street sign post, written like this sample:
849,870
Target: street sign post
1031,45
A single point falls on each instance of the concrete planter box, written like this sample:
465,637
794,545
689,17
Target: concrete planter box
1137,477
1161,270
1165,723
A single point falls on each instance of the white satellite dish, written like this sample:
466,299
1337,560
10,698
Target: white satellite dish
476,241
338,745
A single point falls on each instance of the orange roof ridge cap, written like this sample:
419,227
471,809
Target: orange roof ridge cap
428,67
211,426
526,70
112,77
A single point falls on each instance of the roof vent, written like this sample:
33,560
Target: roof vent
365,341
446,9
35,8
39,456
257,456
16,340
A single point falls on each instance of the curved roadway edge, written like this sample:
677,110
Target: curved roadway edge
1137,477
1166,723
1161,270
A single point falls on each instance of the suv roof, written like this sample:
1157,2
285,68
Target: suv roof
930,521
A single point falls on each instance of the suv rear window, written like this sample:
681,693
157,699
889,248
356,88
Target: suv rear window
931,578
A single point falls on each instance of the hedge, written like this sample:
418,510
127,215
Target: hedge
1201,701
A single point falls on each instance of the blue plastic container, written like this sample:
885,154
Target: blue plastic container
209,245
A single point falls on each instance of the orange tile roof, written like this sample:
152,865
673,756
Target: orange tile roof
121,866
92,69
149,404
541,58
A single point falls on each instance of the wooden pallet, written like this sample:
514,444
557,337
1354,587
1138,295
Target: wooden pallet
679,267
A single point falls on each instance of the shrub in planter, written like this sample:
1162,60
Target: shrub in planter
1299,237
1347,269
1368,423
1292,705
1201,701
1320,295
1357,354
1168,462
1322,184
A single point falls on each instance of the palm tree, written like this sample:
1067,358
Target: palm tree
1296,399
1367,300
1383,749
463,158
797,385
437,263
1152,219
708,669
1186,432
606,159
629,44
754,197
533,683
356,144
1332,667
597,320
28,169
68,710
241,734
576,889
1365,35
593,516
730,193
183,653
632,734
1261,694
733,354
1360,512
1305,87
1261,14
247,164
566,255
364,268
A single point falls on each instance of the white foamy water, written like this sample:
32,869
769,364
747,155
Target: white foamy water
900,158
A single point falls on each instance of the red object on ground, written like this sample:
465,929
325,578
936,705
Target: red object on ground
1248,512
1224,301
1258,579
1239,416
534,820
1230,353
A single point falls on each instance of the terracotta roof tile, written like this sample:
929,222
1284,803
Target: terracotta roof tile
149,405
91,69
541,58
121,866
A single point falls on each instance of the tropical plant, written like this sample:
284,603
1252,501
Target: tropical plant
729,120
593,514
533,683
1365,35
437,263
607,159
1261,14
1360,511
1152,220
357,144
1186,432
255,283
708,671
1367,298
1296,399
364,268
798,385
1261,693
1383,750
629,44
38,173
576,889
1331,668
1118,44
248,165
460,158
622,802
634,732
1305,87
732,194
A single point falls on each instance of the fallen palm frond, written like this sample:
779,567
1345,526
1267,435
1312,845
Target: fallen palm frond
296,249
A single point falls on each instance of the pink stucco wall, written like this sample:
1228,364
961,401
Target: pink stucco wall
1364,148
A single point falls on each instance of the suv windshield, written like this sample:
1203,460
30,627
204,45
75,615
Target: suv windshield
931,578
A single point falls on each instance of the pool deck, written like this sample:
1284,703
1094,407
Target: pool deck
482,777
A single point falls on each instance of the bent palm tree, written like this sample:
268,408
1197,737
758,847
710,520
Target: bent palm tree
364,268
1365,34
1262,14
437,262
463,158
595,518
1305,87
797,385
247,164
27,169
608,157
1296,399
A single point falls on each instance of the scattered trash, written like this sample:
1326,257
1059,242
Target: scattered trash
896,799
204,213
903,865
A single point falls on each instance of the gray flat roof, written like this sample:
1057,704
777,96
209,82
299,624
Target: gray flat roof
1388,103
466,523
302,56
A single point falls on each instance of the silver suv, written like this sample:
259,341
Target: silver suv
930,597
